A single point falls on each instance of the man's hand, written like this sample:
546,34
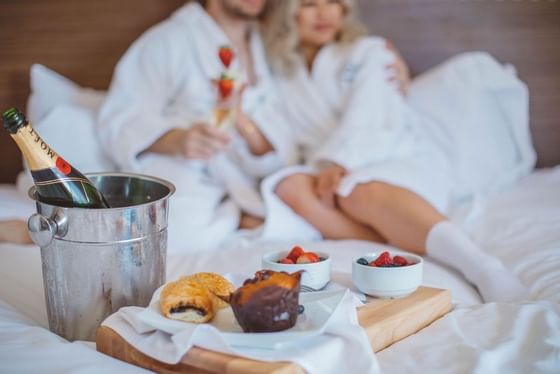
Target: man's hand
327,184
199,142
400,73
202,141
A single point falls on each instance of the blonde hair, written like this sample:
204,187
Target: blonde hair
281,38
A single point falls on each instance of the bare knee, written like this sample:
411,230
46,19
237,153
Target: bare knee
367,194
296,191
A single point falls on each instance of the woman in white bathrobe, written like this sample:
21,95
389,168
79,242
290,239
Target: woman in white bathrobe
374,168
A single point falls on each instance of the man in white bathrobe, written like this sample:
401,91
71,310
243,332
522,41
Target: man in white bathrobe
156,118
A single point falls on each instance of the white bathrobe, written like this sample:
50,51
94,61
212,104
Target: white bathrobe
345,111
164,81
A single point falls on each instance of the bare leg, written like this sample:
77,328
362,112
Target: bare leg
298,192
399,215
411,223
14,231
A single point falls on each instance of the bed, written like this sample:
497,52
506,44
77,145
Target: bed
520,225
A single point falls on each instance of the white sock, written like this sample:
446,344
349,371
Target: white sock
450,245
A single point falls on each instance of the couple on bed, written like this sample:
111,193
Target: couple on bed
341,152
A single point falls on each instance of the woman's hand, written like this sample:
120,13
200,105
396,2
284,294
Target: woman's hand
399,68
257,142
327,184
199,142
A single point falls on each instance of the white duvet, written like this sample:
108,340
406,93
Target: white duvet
521,227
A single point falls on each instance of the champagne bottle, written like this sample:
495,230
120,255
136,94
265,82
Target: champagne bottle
56,181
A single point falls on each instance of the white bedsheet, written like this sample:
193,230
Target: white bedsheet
521,227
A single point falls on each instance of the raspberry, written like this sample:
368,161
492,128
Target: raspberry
400,261
384,259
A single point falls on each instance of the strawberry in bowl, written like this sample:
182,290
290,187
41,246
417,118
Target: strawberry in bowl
316,266
298,256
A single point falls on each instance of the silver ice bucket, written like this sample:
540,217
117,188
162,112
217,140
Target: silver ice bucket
98,260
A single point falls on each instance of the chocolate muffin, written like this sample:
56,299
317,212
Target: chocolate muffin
268,302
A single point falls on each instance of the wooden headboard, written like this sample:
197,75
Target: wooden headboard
83,40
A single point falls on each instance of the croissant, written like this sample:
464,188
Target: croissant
186,301
268,302
219,287
195,298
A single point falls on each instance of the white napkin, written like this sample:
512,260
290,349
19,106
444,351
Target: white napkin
342,345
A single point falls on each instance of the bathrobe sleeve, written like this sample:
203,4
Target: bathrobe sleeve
372,122
263,106
135,113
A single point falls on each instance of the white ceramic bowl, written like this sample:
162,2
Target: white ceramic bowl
388,282
315,275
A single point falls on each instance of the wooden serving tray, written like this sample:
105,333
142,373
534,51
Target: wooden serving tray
386,321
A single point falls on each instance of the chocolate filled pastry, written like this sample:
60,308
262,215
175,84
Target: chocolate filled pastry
268,302
195,298
219,287
187,301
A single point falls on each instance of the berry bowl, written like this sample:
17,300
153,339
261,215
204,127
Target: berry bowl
387,274
316,266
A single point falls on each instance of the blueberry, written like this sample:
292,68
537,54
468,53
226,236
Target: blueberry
362,261
301,309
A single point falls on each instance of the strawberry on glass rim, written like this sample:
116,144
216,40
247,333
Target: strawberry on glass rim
224,113
225,86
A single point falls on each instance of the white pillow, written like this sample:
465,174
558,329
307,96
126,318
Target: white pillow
70,130
480,109
65,116
50,89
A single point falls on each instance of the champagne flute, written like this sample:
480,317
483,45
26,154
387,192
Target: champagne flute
224,112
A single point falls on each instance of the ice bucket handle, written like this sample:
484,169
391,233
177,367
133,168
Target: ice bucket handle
43,229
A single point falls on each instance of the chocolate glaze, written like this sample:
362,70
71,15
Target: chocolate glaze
270,308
